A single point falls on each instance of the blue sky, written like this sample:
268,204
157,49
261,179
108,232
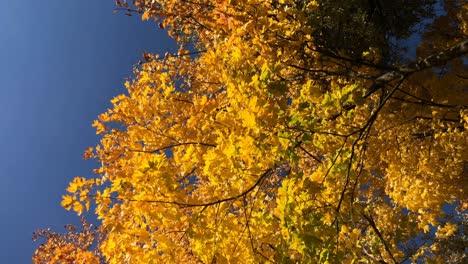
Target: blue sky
61,61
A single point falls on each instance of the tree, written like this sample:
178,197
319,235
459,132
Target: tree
263,140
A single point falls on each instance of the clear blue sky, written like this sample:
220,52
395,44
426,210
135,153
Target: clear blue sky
61,61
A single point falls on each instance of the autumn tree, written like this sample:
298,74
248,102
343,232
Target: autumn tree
286,132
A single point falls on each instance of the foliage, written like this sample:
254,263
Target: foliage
79,245
273,143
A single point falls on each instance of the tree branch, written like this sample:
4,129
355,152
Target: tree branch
171,146
424,63
186,205
376,230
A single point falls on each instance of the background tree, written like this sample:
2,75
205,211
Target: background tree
291,134
351,27
76,245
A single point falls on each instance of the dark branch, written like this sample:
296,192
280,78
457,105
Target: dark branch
186,205
376,230
171,146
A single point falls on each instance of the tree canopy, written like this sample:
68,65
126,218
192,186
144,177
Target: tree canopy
284,131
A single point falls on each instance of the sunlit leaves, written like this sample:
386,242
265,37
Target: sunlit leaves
78,198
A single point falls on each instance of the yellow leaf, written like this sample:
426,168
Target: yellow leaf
67,202
146,15
78,207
